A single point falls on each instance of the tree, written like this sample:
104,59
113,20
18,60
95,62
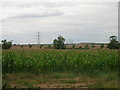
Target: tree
21,46
73,46
14,44
59,42
30,45
55,43
65,47
49,46
41,46
102,46
86,47
6,45
80,47
114,44
93,46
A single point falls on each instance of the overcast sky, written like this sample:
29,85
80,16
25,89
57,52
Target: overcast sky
76,21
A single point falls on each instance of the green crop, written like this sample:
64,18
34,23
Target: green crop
81,61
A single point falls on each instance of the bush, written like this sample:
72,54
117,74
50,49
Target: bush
30,45
14,44
49,46
80,47
41,46
21,46
86,47
102,46
93,46
73,46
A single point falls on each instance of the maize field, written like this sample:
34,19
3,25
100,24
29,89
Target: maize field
76,61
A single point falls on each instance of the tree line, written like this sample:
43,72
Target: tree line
59,43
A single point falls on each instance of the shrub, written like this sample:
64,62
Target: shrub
21,46
41,46
30,46
73,46
49,46
102,46
80,47
93,46
86,47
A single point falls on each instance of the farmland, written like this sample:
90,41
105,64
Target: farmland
60,68
67,46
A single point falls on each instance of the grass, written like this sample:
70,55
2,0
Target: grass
68,81
30,80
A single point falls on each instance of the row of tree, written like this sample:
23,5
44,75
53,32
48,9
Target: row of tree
86,46
59,44
30,46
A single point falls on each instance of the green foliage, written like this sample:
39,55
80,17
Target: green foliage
59,42
30,46
55,43
80,47
65,47
114,44
21,46
102,46
49,46
85,61
93,46
41,46
6,44
14,44
86,47
9,62
73,46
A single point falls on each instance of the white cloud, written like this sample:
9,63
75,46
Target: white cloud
78,21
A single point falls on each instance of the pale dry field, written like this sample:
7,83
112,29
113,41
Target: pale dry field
67,46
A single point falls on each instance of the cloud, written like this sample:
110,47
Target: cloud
77,21
34,16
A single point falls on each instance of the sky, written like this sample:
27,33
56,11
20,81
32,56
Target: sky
75,21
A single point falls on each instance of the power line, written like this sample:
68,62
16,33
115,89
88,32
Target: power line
38,37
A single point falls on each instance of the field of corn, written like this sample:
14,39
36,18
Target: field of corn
60,68
76,61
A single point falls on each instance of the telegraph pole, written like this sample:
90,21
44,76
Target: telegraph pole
38,38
